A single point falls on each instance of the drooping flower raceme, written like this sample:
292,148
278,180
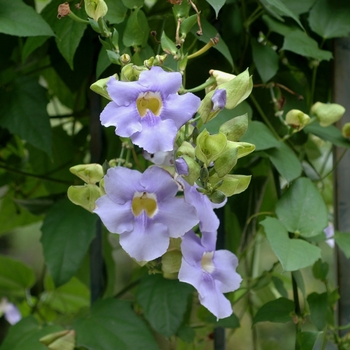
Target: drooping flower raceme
149,110
211,272
142,208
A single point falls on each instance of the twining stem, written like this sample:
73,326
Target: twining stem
263,116
207,83
42,177
212,42
296,309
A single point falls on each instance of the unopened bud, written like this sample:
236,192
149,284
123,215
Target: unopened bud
130,72
221,77
125,58
90,173
346,130
85,196
95,8
100,86
327,113
297,119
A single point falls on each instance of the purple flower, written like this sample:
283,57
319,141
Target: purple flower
10,311
142,208
149,110
160,158
211,272
219,99
181,166
208,221
329,232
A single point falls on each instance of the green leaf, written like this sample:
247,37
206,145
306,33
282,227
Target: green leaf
318,304
23,112
17,18
228,322
330,133
15,277
68,298
278,8
330,19
164,302
36,206
67,232
343,241
25,335
112,324
132,3
265,59
285,161
300,6
278,283
216,5
116,11
302,210
103,62
307,340
279,310
299,42
294,254
226,114
69,34
12,215
210,32
260,135
137,30
276,26
32,44
320,270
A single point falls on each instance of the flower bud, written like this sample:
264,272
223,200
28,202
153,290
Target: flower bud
125,59
85,196
209,147
346,130
297,119
130,72
100,86
193,169
59,340
327,113
219,100
221,77
90,173
171,263
95,8
216,197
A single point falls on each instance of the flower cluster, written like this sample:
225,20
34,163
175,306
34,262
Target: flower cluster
175,197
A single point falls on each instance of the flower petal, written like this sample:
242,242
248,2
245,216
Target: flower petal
180,108
192,249
156,138
125,119
159,181
124,93
147,241
211,297
208,221
122,183
225,270
209,241
156,79
190,274
117,218
177,215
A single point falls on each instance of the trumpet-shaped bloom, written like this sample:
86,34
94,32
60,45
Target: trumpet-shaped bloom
208,221
149,110
142,208
211,272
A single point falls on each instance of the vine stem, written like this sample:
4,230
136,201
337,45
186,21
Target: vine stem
263,116
297,309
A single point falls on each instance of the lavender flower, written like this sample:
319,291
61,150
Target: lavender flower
208,221
10,311
219,99
142,208
149,110
211,272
